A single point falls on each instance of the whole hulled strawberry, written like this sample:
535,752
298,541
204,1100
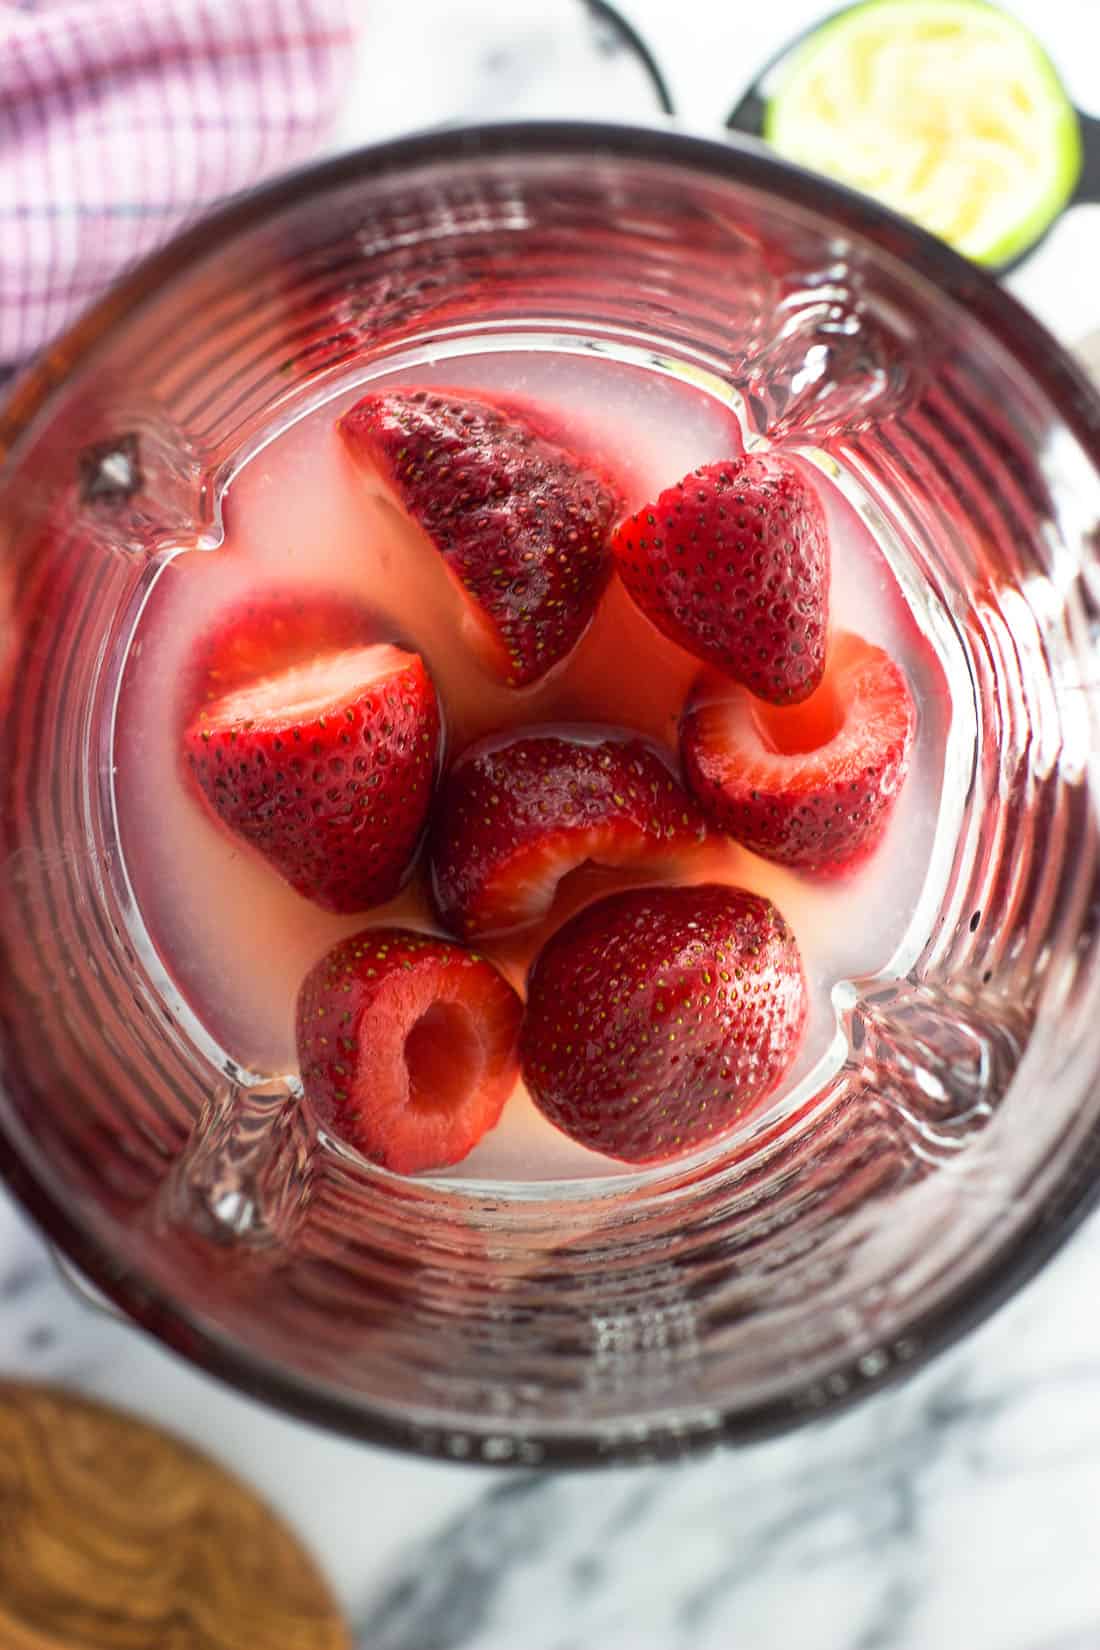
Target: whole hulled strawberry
519,811
407,1046
812,786
326,769
521,522
659,1018
733,564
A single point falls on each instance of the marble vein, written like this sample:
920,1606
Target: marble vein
871,1532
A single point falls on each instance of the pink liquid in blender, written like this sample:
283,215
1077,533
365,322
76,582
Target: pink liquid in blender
237,941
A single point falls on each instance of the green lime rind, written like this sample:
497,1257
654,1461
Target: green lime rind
1053,123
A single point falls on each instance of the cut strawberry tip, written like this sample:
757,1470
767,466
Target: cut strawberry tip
732,564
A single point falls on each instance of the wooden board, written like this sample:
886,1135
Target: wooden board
114,1536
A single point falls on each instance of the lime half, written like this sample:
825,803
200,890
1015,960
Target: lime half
949,111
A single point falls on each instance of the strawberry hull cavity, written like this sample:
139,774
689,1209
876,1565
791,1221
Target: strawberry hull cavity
660,1018
518,812
520,522
407,1046
326,769
810,787
733,564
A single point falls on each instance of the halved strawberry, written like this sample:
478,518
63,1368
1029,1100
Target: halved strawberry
327,769
407,1046
268,631
661,1017
520,522
733,564
810,786
520,810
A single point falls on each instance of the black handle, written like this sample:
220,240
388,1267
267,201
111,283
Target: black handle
604,12
748,116
1088,184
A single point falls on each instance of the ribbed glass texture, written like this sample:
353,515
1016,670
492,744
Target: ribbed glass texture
958,1141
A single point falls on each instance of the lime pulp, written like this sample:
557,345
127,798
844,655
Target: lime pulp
948,111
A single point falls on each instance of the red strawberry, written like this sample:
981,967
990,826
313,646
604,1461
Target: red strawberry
810,786
326,769
269,632
407,1046
520,522
733,563
521,810
661,1017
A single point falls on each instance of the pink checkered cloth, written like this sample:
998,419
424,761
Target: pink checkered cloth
122,119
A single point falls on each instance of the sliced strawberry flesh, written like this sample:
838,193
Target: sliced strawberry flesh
525,890
303,693
800,729
326,769
444,1058
407,1046
268,633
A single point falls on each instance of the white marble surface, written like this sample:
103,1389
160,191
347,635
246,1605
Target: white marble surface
959,1510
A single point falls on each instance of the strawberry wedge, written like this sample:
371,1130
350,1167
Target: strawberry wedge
733,564
520,522
326,769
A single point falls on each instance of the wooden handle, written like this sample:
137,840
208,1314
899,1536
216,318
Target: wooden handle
114,1536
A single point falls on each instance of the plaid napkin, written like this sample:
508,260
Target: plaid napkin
121,119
